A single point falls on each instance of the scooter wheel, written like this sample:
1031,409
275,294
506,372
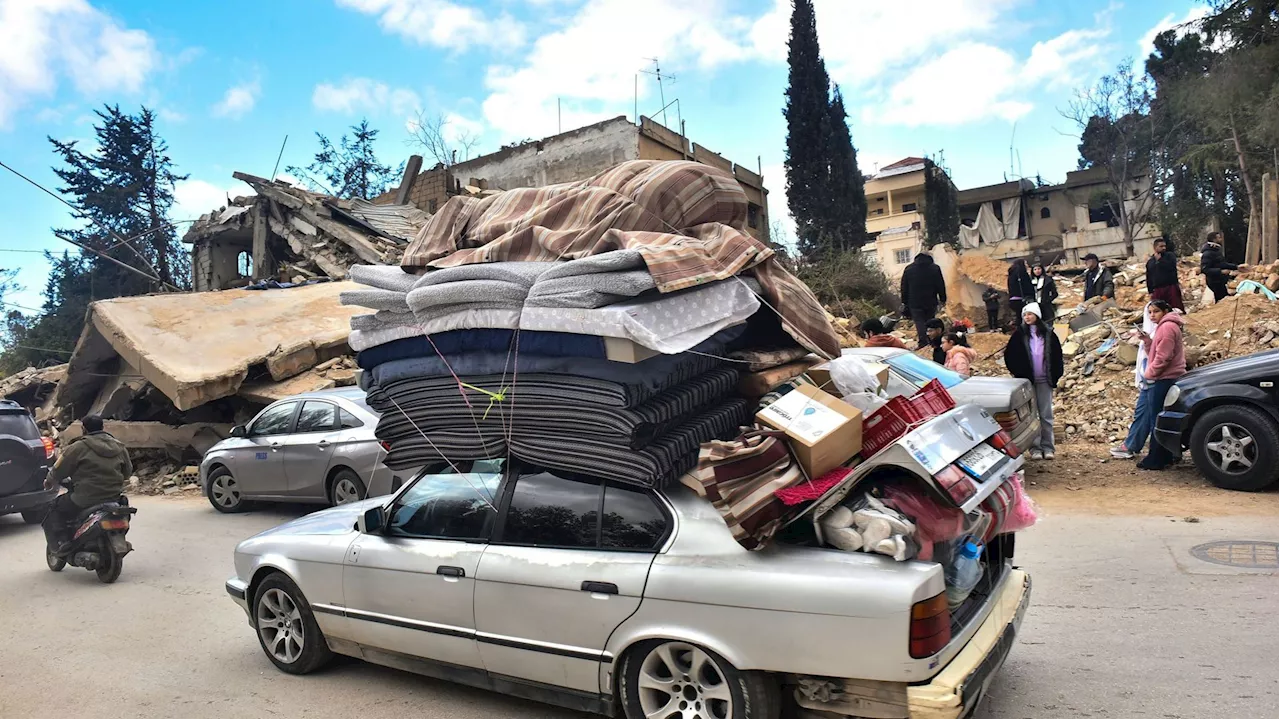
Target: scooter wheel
109,563
55,562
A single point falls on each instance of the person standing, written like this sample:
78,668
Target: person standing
1046,293
1020,289
1034,353
1098,281
1162,276
1214,266
923,290
991,299
1166,362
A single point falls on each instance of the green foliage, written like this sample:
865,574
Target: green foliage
351,168
849,283
823,184
941,208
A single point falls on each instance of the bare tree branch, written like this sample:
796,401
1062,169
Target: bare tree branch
431,134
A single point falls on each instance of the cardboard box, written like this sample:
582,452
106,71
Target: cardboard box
823,430
820,376
618,349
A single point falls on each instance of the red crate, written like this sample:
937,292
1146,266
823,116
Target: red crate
884,426
932,400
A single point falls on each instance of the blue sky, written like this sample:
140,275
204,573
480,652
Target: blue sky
230,80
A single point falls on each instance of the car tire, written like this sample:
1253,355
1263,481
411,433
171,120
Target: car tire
34,516
1224,436
346,486
223,492
677,676
286,627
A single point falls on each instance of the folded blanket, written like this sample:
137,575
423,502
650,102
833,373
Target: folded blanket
384,277
375,299
361,340
464,294
547,344
523,274
383,319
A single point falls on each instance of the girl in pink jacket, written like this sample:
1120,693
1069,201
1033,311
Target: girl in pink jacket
959,357
1166,362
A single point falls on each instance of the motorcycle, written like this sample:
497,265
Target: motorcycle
98,543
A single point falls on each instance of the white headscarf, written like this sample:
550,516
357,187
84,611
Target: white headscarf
1149,327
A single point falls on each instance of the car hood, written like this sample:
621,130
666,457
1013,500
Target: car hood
1238,369
335,520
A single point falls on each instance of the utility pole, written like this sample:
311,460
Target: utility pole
662,94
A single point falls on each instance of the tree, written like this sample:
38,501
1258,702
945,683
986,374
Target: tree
433,135
941,207
808,113
846,221
351,168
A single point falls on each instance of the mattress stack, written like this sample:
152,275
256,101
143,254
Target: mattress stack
578,366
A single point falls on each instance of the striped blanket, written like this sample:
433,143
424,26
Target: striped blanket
688,221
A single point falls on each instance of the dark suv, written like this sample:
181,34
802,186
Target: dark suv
24,463
1225,413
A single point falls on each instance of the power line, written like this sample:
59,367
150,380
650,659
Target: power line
21,307
8,249
43,349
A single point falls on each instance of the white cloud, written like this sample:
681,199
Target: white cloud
170,115
1063,60
193,198
965,84
360,94
442,23
238,100
590,64
1147,43
44,41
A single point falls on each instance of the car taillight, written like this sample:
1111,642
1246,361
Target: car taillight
1008,420
48,447
956,482
113,524
930,626
386,446
1003,441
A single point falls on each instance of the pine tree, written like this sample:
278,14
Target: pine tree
846,221
351,168
808,113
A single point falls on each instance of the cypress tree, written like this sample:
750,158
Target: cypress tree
846,210
807,110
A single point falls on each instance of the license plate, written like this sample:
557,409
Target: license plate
980,460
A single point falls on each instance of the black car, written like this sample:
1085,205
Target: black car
1225,413
24,463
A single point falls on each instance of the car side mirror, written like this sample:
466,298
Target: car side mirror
239,431
371,521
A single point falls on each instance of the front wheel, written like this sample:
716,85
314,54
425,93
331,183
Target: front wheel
287,629
1235,446
678,679
109,563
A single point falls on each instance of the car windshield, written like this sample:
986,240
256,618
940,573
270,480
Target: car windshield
920,370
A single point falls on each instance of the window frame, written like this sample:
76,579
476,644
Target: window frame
910,207
390,507
293,419
902,257
358,422
297,423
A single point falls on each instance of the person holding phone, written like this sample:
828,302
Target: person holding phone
1164,362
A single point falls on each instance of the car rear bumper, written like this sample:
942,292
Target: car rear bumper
1171,427
956,690
27,500
1027,435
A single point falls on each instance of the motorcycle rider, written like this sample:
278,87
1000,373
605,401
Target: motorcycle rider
101,466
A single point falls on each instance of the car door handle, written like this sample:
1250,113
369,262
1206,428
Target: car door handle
451,571
600,587
275,446
322,444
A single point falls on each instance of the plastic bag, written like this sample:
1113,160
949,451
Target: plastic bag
838,531
852,377
934,522
1024,512
865,402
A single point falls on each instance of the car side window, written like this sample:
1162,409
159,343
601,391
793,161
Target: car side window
553,509
274,420
316,417
348,420
448,504
632,520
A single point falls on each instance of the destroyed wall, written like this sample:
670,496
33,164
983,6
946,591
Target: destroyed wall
567,157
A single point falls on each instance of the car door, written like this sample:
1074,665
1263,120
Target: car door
258,466
556,581
410,589
305,453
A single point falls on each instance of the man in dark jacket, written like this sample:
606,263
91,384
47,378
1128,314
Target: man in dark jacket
1162,276
1097,280
1214,266
99,466
991,299
923,291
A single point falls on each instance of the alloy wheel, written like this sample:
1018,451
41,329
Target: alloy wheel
225,491
1230,445
345,491
679,680
280,625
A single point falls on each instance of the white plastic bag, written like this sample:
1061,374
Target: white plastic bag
852,377
866,402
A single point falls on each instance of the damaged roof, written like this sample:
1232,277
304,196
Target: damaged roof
198,347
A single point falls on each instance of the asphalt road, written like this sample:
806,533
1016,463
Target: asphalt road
1123,623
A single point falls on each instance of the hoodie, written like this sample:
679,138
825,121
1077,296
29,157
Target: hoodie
922,285
960,359
1167,357
98,465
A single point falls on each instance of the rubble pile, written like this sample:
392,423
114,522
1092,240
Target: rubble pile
33,388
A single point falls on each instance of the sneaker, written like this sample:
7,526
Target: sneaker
1048,454
1121,452
1035,454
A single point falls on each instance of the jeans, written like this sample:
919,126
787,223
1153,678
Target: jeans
1044,403
920,316
1157,456
1150,402
993,319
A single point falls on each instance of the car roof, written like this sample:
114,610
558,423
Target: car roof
354,394
877,353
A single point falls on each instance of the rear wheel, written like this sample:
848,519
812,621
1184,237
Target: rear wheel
34,516
346,487
55,562
109,563
287,629
678,679
224,491
1235,446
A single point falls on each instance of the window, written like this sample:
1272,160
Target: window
879,210
443,504
1103,213
431,206
902,257
553,510
1044,213
632,520
273,420
753,215
909,207
348,420
920,370
316,417
244,264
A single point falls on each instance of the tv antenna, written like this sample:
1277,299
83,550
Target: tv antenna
662,95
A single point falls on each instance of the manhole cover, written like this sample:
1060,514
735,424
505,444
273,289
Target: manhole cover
1234,553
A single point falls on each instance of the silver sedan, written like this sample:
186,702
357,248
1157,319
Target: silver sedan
317,447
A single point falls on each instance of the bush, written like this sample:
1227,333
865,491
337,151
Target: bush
849,284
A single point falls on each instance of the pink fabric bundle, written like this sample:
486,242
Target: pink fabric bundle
809,491
934,522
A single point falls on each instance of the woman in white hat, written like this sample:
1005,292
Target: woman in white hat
1034,353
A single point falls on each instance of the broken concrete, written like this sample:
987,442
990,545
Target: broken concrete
34,388
198,437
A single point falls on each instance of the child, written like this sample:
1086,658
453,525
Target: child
959,357
873,332
991,298
1034,353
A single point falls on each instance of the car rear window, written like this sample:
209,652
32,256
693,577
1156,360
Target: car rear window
17,423
921,370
